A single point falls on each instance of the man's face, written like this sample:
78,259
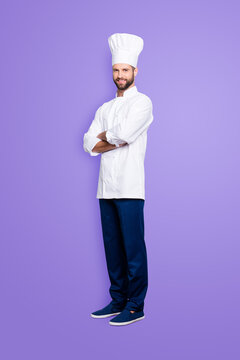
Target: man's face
123,75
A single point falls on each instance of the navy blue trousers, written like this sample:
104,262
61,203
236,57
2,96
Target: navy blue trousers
126,256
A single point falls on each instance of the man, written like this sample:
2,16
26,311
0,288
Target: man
119,133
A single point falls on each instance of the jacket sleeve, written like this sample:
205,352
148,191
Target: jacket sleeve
134,124
90,137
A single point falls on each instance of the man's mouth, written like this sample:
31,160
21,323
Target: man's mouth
121,81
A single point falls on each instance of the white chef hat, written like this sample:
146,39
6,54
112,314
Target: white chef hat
125,48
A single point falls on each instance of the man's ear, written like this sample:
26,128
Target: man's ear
135,71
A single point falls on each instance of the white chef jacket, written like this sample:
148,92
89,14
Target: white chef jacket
126,119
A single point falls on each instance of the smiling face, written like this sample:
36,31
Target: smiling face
124,75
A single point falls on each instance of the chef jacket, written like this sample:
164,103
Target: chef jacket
125,119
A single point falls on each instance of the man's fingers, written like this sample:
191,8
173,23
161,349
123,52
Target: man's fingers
122,144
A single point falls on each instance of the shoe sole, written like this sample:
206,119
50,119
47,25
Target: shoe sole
126,322
104,316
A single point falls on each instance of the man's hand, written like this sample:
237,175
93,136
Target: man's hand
103,145
120,145
102,136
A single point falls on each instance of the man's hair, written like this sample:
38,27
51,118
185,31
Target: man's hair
133,68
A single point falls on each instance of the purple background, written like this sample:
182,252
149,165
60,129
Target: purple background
55,73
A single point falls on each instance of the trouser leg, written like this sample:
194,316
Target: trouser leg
114,251
131,218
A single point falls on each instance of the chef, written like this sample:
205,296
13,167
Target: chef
119,133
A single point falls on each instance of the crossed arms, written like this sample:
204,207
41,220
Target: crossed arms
126,131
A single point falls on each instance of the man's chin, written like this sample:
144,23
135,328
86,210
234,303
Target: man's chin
122,86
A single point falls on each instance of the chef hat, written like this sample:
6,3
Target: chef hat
125,48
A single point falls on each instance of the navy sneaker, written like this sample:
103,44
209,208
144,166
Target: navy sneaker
126,317
109,310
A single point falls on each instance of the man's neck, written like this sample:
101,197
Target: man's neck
121,92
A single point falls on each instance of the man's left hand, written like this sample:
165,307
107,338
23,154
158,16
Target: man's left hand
102,136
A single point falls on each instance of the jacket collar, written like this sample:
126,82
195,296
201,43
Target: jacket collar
129,92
